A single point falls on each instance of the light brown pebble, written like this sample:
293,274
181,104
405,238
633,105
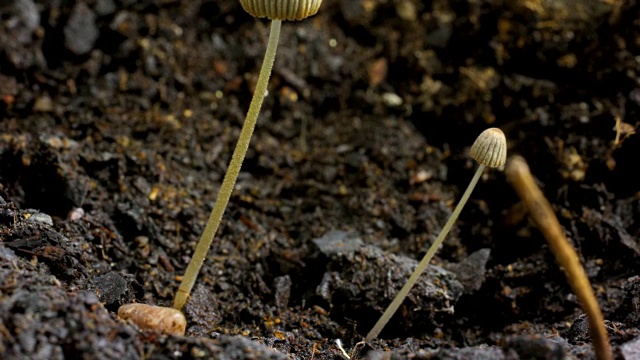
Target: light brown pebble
162,319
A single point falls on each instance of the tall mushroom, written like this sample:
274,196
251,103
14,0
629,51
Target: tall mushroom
276,11
171,320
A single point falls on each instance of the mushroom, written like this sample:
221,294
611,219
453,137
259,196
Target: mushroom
276,11
171,320
489,149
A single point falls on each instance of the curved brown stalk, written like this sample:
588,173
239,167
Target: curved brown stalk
540,210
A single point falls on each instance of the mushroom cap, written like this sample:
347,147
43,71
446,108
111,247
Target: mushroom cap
490,148
281,9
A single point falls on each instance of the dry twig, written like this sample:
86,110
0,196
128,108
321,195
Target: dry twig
540,210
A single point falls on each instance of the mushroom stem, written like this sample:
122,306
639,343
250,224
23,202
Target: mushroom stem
543,216
229,181
402,294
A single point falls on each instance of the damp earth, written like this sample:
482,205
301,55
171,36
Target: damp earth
118,119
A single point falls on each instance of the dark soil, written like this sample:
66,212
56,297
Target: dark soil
117,122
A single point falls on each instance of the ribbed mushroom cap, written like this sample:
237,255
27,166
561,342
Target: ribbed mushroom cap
490,148
281,9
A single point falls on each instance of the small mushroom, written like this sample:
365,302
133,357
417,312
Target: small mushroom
489,149
162,319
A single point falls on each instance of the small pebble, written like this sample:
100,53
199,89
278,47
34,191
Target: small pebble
75,214
391,99
81,32
41,218
159,318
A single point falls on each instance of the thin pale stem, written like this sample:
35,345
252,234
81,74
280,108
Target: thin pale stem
229,181
402,294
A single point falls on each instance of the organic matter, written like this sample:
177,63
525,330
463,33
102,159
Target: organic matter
540,210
